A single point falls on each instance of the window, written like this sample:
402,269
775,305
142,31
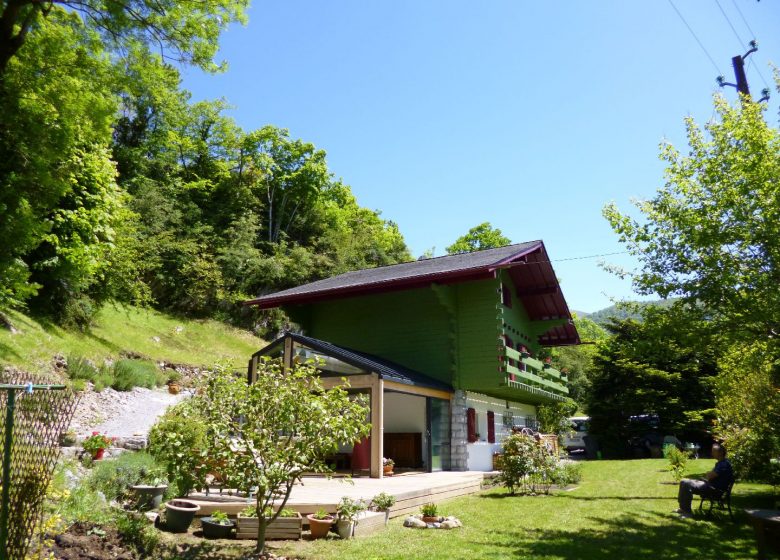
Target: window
471,425
506,295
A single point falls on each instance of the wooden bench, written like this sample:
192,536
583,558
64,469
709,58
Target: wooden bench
766,523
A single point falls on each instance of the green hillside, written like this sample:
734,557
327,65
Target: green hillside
631,310
120,329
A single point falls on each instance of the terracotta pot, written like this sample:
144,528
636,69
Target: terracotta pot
319,527
430,519
174,388
388,469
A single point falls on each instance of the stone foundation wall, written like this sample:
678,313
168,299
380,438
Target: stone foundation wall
459,455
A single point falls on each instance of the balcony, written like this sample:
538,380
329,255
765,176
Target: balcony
532,376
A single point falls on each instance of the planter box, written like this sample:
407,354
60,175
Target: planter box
282,528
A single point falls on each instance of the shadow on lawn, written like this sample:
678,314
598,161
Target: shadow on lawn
630,537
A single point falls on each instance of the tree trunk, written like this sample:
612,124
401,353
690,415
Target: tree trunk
262,522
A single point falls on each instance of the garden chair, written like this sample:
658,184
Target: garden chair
723,500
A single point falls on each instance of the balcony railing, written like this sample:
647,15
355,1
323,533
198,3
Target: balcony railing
533,373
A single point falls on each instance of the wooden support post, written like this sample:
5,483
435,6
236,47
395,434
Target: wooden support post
252,372
288,353
377,427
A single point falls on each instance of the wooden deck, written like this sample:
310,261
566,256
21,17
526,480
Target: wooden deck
411,490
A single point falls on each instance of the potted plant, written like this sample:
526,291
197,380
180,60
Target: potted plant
96,445
429,513
387,466
150,489
288,525
383,502
174,383
547,362
524,353
217,525
320,523
179,515
346,516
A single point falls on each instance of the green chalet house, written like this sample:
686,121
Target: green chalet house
446,347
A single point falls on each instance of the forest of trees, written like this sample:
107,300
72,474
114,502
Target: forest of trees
114,186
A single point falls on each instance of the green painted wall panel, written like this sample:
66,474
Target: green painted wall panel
411,328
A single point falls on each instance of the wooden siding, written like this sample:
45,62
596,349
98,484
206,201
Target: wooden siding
410,328
453,333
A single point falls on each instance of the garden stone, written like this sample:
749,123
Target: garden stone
415,522
451,523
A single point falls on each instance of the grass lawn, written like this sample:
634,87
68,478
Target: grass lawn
622,510
122,328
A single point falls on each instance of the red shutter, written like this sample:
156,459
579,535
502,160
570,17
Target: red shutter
471,425
491,421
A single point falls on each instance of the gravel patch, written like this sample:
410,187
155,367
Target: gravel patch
122,413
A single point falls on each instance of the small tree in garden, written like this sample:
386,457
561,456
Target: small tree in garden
528,465
554,417
267,434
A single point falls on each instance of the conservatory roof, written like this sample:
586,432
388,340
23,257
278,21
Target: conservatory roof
385,369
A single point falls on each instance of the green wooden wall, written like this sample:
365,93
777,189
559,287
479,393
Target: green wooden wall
453,333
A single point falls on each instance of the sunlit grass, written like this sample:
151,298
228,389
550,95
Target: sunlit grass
125,329
621,510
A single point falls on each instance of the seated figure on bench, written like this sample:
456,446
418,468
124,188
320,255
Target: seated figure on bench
718,481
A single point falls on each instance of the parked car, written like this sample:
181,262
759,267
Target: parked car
575,439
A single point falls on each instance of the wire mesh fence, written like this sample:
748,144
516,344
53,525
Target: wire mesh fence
33,414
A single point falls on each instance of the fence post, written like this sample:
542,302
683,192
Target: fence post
9,434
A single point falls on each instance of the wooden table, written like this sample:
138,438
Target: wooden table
766,523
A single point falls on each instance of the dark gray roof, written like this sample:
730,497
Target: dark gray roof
401,274
384,368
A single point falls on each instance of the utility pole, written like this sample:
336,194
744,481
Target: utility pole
739,73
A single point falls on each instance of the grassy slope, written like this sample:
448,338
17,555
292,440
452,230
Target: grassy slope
119,329
622,510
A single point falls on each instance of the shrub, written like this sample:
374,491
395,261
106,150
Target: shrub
81,368
528,466
78,385
566,472
134,373
678,460
138,533
383,501
349,509
178,440
115,477
103,379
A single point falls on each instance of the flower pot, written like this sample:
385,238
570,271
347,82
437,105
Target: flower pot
434,519
179,515
345,528
148,497
214,530
319,527
388,471
174,388
98,454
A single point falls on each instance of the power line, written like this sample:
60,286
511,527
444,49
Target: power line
590,256
752,33
722,11
712,60
743,18
755,66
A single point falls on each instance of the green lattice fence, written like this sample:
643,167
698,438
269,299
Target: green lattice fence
33,414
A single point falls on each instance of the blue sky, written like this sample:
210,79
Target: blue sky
529,115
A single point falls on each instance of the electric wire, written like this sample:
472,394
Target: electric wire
743,18
712,60
722,11
752,34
